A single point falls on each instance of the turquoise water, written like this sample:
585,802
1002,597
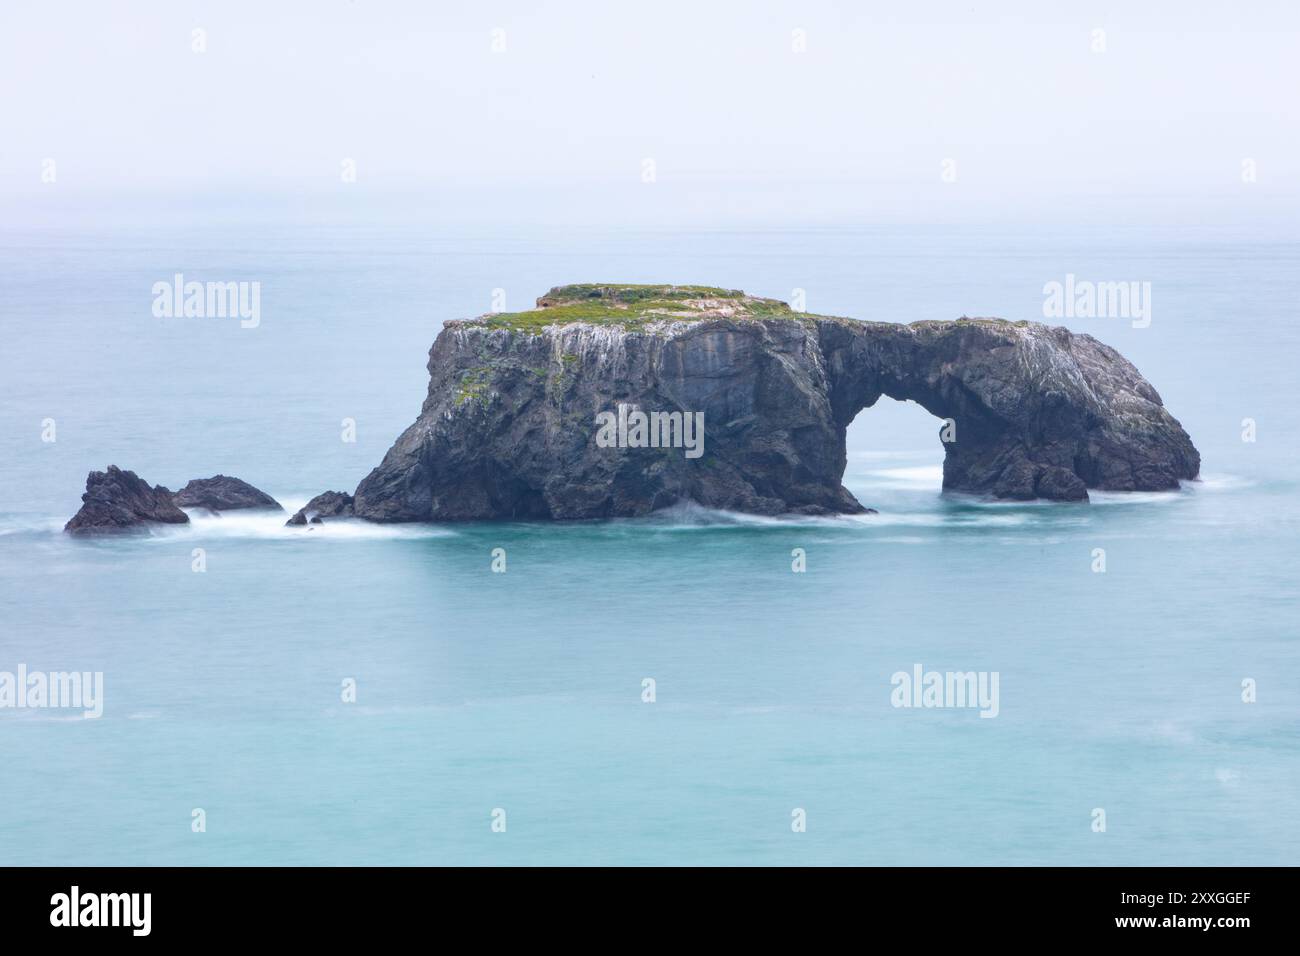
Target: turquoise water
523,690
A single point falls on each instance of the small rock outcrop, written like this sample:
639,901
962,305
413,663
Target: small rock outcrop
117,500
511,425
223,493
328,504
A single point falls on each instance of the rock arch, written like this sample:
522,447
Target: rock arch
508,426
1039,412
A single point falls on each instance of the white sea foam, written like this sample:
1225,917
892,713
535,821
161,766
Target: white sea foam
263,524
686,516
915,477
689,516
975,517
1206,484
253,523
923,477
243,523
1217,483
29,524
1134,497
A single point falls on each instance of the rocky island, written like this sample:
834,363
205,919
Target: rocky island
223,493
508,427
584,408
117,500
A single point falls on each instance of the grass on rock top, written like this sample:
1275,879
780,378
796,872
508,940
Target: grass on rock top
629,294
634,306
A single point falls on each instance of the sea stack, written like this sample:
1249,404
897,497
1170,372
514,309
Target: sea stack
117,500
223,493
511,423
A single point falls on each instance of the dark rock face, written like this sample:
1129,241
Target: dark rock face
222,493
509,426
1038,412
117,500
328,504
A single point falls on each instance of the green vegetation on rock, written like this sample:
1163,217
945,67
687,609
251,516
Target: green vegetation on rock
636,306
475,386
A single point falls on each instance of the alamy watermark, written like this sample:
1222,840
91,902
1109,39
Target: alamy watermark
36,690
75,908
208,300
1082,299
633,428
922,688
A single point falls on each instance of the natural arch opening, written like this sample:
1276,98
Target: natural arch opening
893,451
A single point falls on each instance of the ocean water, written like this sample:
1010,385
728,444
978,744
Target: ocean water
522,691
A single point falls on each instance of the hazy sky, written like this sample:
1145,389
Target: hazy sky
738,124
